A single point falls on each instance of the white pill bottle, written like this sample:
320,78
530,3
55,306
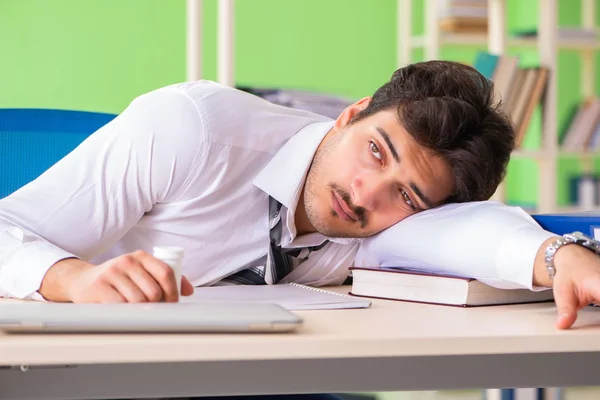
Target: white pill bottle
173,257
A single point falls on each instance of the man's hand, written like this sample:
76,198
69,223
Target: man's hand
576,283
136,277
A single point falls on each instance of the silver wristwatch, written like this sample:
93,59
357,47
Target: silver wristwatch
568,238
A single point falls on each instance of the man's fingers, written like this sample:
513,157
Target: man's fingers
565,321
162,274
566,304
110,294
186,287
146,282
128,289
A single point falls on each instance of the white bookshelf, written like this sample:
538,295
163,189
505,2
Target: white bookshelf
497,40
193,40
225,41
478,40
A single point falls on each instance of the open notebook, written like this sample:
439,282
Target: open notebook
291,296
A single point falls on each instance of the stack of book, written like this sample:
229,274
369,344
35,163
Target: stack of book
520,89
463,16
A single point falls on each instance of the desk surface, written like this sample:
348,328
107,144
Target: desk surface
390,346
388,328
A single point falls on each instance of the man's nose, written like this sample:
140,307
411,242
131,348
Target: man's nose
367,193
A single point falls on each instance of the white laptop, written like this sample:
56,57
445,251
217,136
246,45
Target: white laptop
145,317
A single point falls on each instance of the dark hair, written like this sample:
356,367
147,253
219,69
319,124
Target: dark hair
450,108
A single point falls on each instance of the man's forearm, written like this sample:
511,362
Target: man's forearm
58,279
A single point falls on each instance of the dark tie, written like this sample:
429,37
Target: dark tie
279,262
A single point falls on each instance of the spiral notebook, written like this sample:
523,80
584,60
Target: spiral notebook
292,296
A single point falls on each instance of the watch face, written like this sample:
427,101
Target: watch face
579,236
585,241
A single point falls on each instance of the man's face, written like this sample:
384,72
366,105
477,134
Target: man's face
371,174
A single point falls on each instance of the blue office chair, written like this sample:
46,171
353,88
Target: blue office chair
32,140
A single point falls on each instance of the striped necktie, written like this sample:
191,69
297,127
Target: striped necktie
279,262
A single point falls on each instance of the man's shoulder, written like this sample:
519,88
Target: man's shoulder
206,93
203,91
235,117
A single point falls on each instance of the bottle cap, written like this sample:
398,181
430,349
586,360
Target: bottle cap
168,252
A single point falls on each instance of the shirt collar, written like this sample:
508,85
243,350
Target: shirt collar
284,176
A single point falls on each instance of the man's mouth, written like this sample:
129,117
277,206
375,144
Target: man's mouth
342,209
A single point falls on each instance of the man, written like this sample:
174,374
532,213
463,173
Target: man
261,194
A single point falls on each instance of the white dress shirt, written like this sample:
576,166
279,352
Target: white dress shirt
489,241
193,165
189,165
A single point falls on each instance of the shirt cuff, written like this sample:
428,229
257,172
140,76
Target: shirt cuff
22,273
516,256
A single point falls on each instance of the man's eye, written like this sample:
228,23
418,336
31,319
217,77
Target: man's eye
375,150
407,199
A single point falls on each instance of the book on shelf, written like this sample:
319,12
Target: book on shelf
520,89
459,4
453,24
529,94
504,75
583,131
463,16
486,63
413,285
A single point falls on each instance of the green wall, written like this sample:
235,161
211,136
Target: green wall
99,54
88,55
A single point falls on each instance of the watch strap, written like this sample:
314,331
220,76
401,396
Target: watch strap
577,238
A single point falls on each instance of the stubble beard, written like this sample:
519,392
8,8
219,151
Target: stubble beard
311,196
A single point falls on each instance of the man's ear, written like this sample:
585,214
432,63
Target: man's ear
348,114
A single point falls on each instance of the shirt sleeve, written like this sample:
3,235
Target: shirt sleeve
87,201
489,241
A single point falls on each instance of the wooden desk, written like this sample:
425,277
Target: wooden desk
391,346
